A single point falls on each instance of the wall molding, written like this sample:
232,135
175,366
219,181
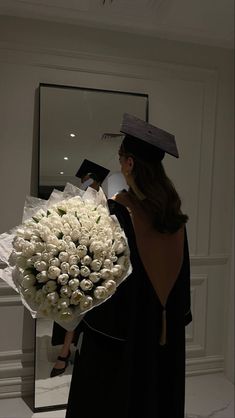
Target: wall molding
15,387
16,373
205,365
196,331
209,260
16,52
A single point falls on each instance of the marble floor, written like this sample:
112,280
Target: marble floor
207,396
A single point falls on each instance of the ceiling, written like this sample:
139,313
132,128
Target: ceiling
208,22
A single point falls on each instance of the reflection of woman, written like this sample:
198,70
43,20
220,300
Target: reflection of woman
91,175
132,360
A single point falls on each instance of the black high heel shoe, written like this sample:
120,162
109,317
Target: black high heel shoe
57,372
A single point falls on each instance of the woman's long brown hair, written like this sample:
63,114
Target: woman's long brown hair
162,203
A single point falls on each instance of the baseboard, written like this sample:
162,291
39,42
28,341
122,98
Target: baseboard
16,373
204,365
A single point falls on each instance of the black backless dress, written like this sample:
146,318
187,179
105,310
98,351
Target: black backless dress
122,370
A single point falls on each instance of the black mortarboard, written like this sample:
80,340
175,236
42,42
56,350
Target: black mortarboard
95,171
145,140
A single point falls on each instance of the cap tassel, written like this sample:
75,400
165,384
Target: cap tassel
163,334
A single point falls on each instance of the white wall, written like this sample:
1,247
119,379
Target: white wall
190,93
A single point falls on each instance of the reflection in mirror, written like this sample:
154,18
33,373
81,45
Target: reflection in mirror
75,124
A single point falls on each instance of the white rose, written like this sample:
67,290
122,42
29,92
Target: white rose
42,277
81,251
53,240
63,303
28,281
51,248
108,264
73,259
68,239
73,284
96,246
61,245
53,297
45,256
100,292
50,286
63,256
119,247
117,271
75,234
86,260
53,272
21,261
65,291
39,247
74,270
20,232
110,286
65,314
18,243
71,248
44,235
86,284
37,257
29,293
94,277
64,267
29,262
123,261
54,262
35,238
56,231
113,257
86,302
85,271
106,274
26,273
28,234
100,255
40,265
84,240
76,297
96,265
28,249
63,278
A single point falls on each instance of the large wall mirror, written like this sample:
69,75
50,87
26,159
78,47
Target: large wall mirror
75,124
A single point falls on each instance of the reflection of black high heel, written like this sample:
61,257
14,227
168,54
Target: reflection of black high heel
57,372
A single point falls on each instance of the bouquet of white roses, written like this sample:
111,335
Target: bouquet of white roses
68,257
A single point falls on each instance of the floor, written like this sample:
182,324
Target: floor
208,396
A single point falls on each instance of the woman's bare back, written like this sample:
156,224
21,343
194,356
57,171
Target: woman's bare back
160,253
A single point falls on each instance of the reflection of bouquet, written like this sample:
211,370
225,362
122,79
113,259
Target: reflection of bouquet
68,257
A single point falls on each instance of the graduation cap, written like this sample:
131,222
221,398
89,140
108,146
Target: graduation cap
145,140
95,171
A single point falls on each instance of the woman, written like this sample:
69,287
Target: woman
91,175
132,361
